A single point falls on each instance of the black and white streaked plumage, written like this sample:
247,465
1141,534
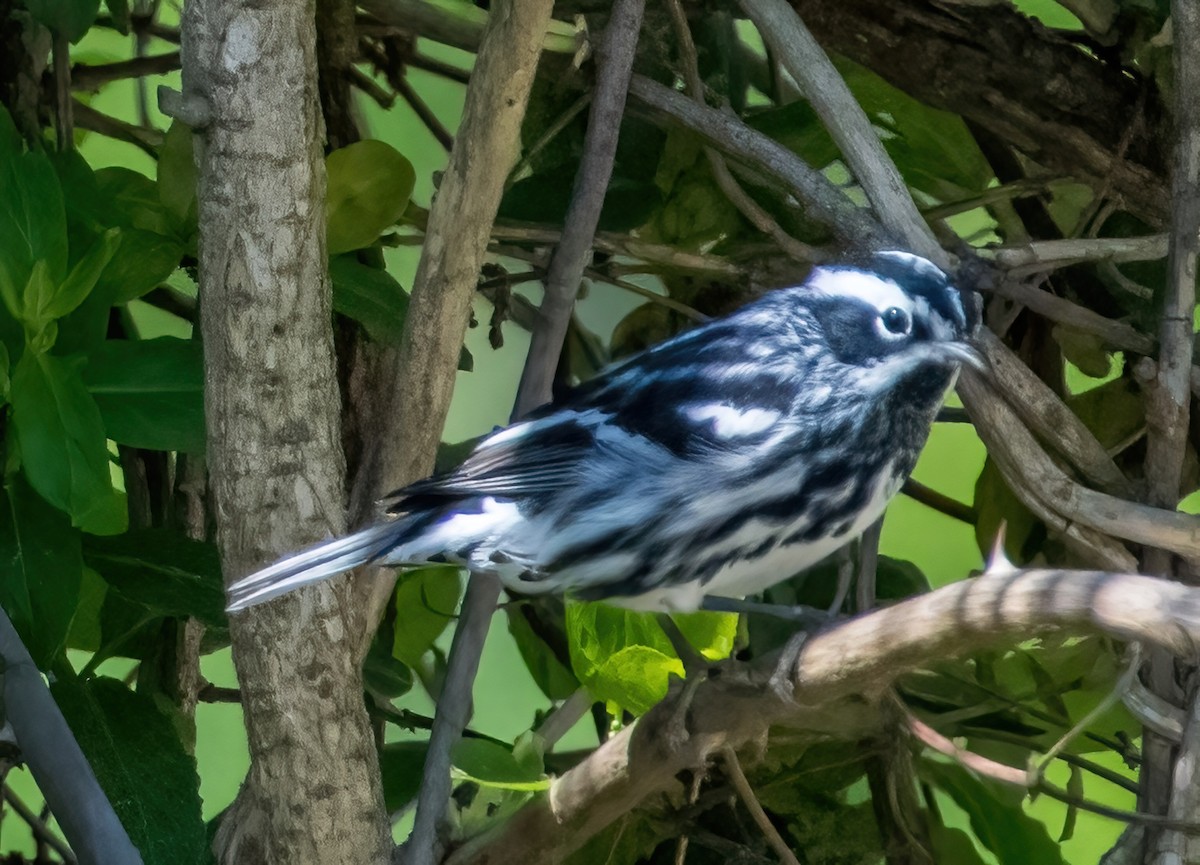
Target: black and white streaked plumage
718,463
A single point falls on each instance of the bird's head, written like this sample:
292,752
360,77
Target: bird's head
893,314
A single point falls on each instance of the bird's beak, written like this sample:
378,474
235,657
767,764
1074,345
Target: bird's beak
964,353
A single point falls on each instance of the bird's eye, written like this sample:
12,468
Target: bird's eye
896,320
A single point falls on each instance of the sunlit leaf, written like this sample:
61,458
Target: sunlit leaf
62,440
426,601
369,186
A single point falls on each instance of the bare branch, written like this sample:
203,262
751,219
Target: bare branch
86,117
851,129
90,77
1049,254
1039,482
940,502
41,831
1115,333
733,769
614,65
727,183
425,845
1168,402
58,766
824,202
835,670
1049,417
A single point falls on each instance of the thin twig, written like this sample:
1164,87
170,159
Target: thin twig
86,117
1115,333
1083,763
92,77
727,183
559,722
548,134
425,63
846,122
421,108
64,119
614,65
38,826
824,202
368,85
940,502
733,768
453,714
1132,665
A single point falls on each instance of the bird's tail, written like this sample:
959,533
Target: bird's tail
315,564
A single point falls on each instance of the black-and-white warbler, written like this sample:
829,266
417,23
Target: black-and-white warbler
717,463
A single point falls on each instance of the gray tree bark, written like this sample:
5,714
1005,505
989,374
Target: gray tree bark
275,461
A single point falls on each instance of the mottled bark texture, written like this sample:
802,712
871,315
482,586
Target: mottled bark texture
421,378
275,463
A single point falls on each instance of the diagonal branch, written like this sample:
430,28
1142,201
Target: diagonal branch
836,669
850,128
614,65
58,766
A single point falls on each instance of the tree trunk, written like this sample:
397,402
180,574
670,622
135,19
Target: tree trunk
275,461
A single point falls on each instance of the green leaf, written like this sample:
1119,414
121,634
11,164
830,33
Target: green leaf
42,570
118,10
426,601
628,202
162,570
490,764
35,299
5,366
711,633
620,656
133,200
85,630
62,441
996,816
953,845
383,676
140,763
370,183
556,681
177,178
150,392
401,764
33,222
142,261
83,276
68,18
10,139
370,296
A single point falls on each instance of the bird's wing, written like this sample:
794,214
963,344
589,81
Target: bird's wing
534,456
676,397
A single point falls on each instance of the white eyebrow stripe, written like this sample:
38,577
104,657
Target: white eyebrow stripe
879,293
729,422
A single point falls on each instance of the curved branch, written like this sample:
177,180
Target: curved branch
835,670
